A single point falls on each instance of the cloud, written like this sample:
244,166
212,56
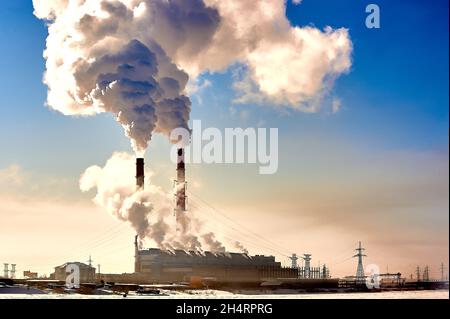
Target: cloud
116,192
284,65
133,58
197,85
336,105
11,176
100,59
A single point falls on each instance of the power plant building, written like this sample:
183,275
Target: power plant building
179,265
158,265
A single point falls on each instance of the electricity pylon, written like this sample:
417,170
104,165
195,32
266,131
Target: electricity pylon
360,277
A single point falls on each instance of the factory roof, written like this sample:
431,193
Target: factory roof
79,264
206,257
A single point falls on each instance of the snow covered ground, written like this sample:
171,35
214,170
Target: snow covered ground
216,294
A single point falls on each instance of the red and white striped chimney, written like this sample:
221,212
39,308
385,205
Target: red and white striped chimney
181,183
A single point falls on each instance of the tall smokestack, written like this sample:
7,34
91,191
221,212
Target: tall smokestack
181,183
140,173
139,186
136,255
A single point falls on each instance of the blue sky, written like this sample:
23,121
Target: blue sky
393,121
394,97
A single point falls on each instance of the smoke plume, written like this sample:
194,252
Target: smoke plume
133,58
149,211
241,247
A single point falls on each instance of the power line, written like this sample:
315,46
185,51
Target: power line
347,251
340,262
242,226
238,231
238,224
94,242
199,210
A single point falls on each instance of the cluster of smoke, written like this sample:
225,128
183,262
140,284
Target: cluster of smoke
99,59
213,243
241,247
149,210
133,58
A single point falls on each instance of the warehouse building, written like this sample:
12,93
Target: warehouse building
87,273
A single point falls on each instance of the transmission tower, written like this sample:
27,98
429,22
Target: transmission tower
418,273
360,277
442,272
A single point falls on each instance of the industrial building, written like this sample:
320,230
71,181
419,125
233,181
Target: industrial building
87,272
180,265
162,266
30,274
157,265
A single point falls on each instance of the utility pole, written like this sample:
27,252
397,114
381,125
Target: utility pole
426,274
324,272
360,277
90,261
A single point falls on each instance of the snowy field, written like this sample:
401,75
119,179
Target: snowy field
215,294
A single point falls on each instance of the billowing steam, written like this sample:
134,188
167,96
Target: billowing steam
149,211
133,57
240,247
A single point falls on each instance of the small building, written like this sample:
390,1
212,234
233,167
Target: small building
87,273
27,274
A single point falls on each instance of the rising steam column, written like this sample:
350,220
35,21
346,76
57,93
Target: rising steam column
140,173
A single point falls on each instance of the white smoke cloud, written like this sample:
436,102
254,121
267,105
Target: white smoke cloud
99,61
149,211
133,57
241,247
284,65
